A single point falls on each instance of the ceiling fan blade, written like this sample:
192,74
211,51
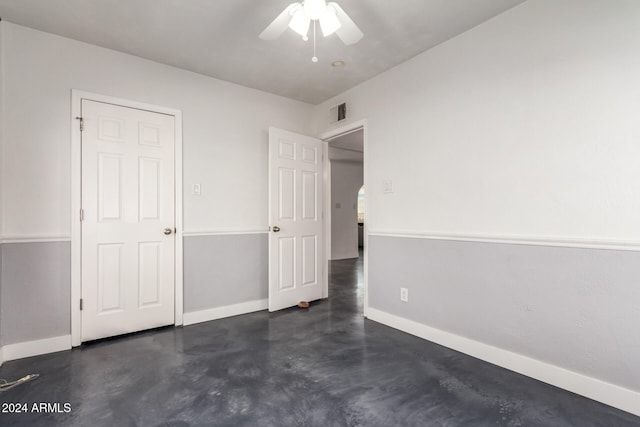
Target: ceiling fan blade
280,24
348,32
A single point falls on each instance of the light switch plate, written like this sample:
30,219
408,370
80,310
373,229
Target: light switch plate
197,190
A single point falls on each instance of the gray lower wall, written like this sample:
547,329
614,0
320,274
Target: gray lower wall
35,281
1,245
35,291
224,270
571,307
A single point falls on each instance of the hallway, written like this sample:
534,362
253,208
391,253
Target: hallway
325,366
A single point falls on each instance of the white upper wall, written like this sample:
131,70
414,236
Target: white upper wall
526,125
1,168
225,132
346,181
2,24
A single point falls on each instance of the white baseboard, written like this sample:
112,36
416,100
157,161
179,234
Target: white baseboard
1,355
607,393
558,241
36,348
222,312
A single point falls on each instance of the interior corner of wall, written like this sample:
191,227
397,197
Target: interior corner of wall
316,118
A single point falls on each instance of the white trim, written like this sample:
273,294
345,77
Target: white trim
343,130
178,317
76,204
224,232
610,394
565,242
1,355
76,162
336,135
226,311
36,348
367,211
34,239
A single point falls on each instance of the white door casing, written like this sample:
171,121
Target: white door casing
128,202
297,260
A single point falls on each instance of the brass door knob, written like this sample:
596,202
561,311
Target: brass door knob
167,231
276,228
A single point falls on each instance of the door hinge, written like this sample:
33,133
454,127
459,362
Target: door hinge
81,214
81,123
80,304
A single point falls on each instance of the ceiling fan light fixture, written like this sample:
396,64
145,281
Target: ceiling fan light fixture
329,23
315,9
300,22
298,16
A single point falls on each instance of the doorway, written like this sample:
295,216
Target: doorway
358,154
346,156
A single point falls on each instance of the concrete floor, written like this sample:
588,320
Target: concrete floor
325,366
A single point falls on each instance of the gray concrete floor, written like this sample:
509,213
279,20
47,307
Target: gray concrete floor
325,366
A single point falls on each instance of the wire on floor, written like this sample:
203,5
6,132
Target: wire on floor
5,385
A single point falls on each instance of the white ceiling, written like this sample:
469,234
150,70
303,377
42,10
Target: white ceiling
219,38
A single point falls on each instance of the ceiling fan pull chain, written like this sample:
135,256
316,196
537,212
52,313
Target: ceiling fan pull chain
315,58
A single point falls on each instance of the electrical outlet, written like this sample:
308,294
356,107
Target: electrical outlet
404,294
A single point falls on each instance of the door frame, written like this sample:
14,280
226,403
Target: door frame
76,202
325,136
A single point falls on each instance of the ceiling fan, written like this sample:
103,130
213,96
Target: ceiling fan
300,15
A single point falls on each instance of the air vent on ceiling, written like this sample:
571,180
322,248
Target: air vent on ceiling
337,113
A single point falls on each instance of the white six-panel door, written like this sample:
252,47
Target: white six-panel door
296,238
128,225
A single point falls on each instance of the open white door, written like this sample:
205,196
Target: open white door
296,199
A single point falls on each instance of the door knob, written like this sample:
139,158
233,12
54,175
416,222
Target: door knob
276,228
167,231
